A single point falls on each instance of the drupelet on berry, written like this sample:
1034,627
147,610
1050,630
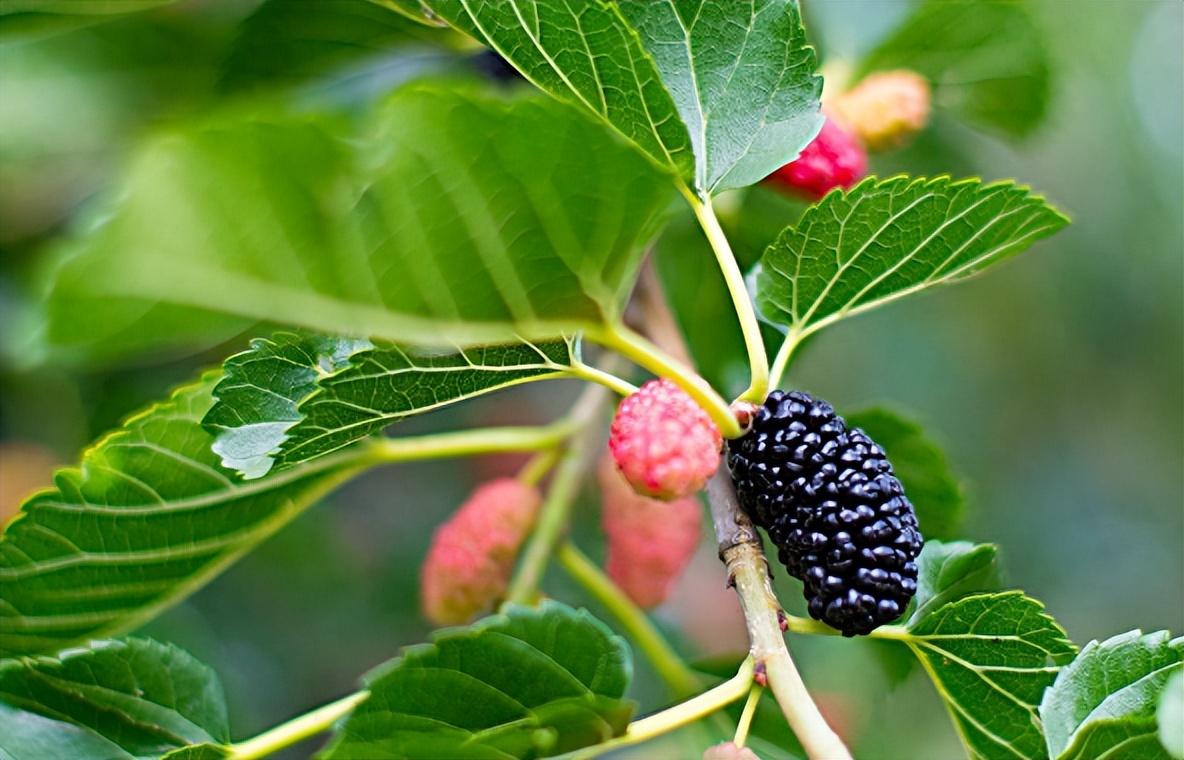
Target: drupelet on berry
835,158
471,557
648,542
664,444
829,500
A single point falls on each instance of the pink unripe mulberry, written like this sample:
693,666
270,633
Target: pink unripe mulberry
885,109
471,557
664,444
649,542
834,159
729,751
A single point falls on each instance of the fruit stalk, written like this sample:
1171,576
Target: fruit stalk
553,517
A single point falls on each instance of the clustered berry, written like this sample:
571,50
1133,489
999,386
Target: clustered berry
648,542
663,442
835,158
831,504
472,555
885,109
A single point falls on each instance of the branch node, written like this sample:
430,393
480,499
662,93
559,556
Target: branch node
760,674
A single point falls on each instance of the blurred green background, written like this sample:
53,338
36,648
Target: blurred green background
1055,383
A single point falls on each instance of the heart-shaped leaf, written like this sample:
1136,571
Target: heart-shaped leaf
947,571
294,398
147,519
991,656
721,94
112,700
742,78
988,61
474,219
586,54
1103,704
921,466
285,43
885,239
523,684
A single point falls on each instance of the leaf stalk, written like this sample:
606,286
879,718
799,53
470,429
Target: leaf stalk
468,442
750,327
793,339
297,729
679,715
644,353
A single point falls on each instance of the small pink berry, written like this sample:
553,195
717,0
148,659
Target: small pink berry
649,542
664,444
834,159
729,751
885,109
471,557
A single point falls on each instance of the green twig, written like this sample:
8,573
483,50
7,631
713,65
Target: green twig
758,361
297,729
640,350
553,516
748,571
678,676
616,384
468,443
680,715
537,468
745,723
793,339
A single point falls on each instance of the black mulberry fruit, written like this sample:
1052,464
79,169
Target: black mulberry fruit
831,504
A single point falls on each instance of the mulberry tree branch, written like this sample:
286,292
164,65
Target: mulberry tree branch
748,571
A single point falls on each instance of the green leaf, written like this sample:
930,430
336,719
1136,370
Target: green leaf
950,570
1103,704
294,398
473,219
743,80
885,239
991,656
149,518
526,683
18,17
921,467
987,60
588,55
945,571
1170,716
415,10
113,699
287,42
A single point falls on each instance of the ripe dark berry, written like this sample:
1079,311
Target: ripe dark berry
830,503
